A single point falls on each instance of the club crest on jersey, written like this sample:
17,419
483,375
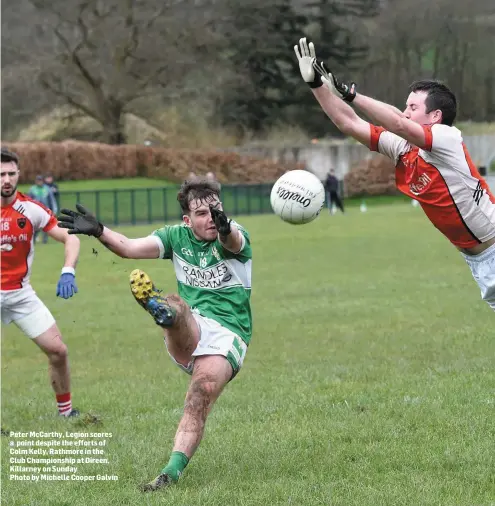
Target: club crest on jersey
21,222
214,252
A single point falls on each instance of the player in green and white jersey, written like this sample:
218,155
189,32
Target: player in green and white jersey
207,325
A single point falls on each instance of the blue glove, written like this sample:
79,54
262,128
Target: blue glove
66,286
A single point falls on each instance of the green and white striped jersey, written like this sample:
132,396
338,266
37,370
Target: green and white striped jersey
210,278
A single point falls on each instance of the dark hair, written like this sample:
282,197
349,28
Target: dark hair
202,189
439,97
9,156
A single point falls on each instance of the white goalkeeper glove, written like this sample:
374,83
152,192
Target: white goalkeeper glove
306,56
316,75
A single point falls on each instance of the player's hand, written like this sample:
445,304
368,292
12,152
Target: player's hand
222,223
306,55
340,89
82,222
66,286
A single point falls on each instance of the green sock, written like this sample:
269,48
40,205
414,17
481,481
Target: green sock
177,463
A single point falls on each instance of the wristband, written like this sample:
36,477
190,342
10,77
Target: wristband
317,82
68,270
100,231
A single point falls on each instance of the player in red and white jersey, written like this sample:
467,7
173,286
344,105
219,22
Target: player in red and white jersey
431,160
21,218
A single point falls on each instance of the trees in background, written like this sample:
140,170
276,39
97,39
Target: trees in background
448,40
234,59
261,35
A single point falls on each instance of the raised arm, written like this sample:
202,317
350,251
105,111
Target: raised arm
333,103
342,115
392,120
374,119
84,222
228,234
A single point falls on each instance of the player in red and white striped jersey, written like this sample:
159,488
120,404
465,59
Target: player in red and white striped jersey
21,217
431,160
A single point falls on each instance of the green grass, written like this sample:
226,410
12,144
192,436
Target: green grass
369,380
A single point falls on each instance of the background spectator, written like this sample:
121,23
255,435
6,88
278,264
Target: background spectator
43,194
331,185
54,189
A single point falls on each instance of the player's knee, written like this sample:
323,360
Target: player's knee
200,395
58,356
177,303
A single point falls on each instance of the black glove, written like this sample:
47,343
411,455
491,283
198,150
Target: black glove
346,91
222,223
82,222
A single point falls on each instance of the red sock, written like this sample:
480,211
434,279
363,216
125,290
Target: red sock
64,404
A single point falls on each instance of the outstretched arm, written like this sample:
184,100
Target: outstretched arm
343,115
392,120
84,222
389,117
329,96
142,248
374,119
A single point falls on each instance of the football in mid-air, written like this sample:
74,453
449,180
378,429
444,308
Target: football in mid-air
297,197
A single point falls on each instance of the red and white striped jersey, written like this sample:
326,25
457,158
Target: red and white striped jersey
18,223
444,180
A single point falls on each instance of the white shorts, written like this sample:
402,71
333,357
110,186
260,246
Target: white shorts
25,309
483,269
215,339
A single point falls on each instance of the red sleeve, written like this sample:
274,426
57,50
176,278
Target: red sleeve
428,137
51,222
375,132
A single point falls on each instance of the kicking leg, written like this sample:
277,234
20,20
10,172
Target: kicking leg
210,375
170,312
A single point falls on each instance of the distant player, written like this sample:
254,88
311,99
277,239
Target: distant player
207,326
22,217
432,162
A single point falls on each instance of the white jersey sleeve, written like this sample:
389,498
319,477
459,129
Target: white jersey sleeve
444,142
388,143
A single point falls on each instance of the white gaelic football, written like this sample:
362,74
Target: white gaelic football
297,197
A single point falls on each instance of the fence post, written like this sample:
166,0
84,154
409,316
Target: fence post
236,198
150,214
248,197
165,210
260,190
133,207
97,203
78,197
115,207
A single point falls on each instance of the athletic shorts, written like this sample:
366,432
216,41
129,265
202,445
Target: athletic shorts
483,269
215,339
24,308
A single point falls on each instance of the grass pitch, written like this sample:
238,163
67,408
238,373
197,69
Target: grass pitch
369,380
